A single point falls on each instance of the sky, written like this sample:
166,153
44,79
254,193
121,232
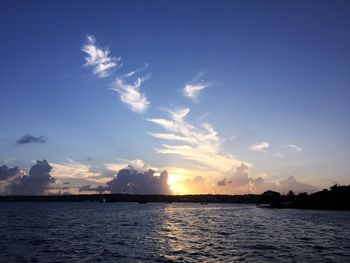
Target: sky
226,96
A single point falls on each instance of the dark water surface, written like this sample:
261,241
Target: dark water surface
155,232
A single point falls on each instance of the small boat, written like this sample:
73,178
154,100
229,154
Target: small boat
103,200
143,202
263,205
204,203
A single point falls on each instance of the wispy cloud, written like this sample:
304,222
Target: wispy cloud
281,151
8,160
71,169
192,89
171,136
29,138
200,144
130,93
137,164
259,147
293,147
203,116
99,58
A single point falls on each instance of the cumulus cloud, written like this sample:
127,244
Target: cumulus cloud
240,181
29,138
38,180
199,144
283,186
131,181
237,182
259,147
6,173
131,177
77,178
134,177
7,176
99,59
291,183
130,93
241,176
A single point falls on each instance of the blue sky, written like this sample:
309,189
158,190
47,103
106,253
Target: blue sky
274,76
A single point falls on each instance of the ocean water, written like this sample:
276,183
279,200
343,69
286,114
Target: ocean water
156,232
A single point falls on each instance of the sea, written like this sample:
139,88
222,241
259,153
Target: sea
176,232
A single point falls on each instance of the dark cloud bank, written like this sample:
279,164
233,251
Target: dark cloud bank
35,183
29,138
8,173
39,181
131,181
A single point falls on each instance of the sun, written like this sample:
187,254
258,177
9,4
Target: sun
176,184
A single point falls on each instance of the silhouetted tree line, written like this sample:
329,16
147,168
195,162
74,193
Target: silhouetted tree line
246,199
337,197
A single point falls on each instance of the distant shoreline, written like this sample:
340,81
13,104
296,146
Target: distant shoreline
337,198
111,198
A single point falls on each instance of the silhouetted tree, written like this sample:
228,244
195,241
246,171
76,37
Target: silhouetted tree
270,197
291,195
334,187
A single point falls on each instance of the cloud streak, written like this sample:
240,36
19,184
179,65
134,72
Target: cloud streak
259,147
99,59
199,144
103,63
79,172
293,147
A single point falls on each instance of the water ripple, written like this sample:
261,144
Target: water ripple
129,232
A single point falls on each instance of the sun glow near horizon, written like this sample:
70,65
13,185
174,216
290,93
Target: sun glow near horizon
176,182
